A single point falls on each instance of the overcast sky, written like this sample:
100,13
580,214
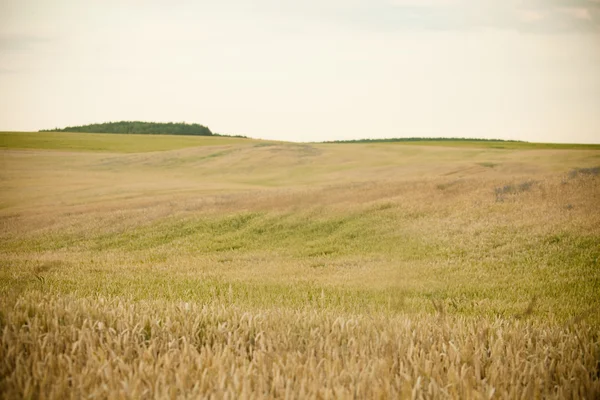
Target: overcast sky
307,70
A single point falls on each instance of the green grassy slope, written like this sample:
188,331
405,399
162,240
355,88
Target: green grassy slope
423,221
490,144
131,143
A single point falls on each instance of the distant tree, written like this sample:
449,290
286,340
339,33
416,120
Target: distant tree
151,128
422,139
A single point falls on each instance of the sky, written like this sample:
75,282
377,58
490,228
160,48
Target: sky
308,70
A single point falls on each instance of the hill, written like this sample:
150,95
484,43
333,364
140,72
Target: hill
421,139
152,128
468,142
164,266
110,142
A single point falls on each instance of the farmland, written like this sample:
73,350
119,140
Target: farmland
181,267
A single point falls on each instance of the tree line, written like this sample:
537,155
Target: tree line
422,139
153,128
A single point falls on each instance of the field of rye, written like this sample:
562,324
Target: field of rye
237,268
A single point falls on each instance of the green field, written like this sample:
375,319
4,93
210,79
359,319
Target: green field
106,142
483,143
171,266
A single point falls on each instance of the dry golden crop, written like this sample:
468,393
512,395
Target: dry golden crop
73,348
248,269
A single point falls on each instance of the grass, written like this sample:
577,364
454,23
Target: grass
473,143
284,270
106,142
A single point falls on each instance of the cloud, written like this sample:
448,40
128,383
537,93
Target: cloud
530,16
546,16
521,15
6,71
20,42
577,13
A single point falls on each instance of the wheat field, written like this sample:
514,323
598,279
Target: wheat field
238,268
